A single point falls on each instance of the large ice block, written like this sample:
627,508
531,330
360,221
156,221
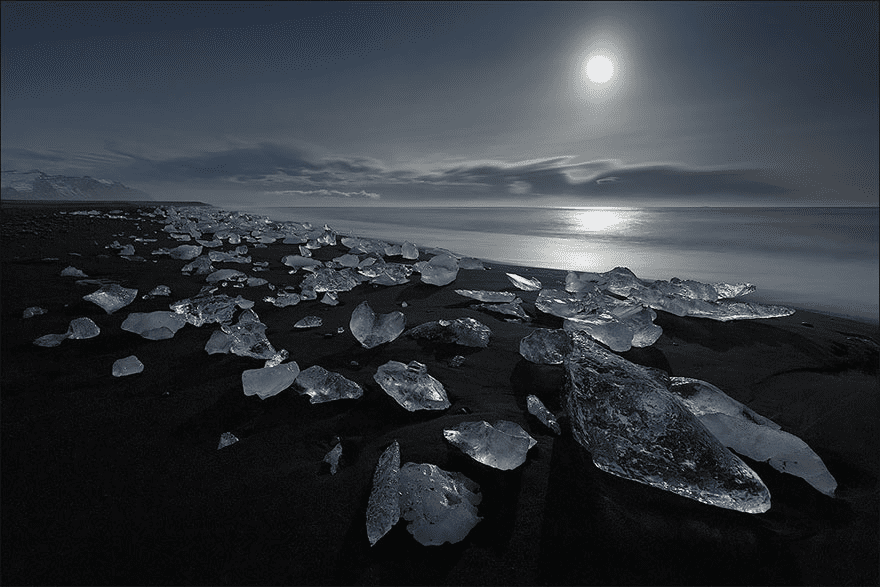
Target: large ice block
411,386
371,329
748,433
502,445
636,429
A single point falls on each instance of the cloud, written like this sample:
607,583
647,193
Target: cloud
277,170
327,193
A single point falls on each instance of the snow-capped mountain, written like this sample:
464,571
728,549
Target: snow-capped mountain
36,185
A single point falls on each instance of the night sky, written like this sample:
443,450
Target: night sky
459,103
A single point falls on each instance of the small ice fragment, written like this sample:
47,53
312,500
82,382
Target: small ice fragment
269,381
470,263
71,271
185,252
50,340
539,410
383,508
409,251
750,434
158,291
463,331
487,296
524,283
332,458
154,325
198,266
309,322
226,275
440,506
33,311
127,366
371,329
226,439
82,328
112,297
440,270
411,386
325,386
297,261
501,446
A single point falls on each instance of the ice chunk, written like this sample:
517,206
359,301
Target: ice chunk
82,328
347,260
545,346
322,385
440,270
620,327
487,296
513,308
537,408
72,272
219,343
309,322
463,331
325,279
79,328
248,337
371,329
440,506
33,311
636,429
618,281
751,434
154,325
185,252
269,381
470,263
198,266
383,508
411,386
226,275
297,261
409,251
158,291
112,297
524,283
332,458
502,445
127,366
206,307
226,439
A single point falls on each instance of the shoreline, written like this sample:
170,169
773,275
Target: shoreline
119,480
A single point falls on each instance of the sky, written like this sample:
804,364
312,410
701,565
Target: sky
299,103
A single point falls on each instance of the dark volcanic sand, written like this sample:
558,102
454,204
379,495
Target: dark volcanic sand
119,481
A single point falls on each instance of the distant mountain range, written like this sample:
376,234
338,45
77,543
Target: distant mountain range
36,185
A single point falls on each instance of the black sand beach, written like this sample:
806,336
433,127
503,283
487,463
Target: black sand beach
111,480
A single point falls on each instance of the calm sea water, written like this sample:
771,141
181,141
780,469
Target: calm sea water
823,259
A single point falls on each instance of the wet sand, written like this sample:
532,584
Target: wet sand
119,481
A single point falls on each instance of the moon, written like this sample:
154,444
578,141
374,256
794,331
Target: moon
599,69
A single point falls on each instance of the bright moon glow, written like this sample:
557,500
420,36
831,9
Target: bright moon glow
600,69
594,220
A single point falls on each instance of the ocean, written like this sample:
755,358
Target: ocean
823,259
